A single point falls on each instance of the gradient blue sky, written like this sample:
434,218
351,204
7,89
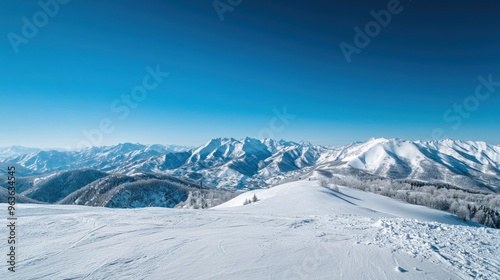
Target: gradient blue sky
227,77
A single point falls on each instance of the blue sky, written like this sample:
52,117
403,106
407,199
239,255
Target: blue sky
229,78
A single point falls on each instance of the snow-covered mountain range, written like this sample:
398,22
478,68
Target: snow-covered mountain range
13,151
106,158
467,164
252,163
313,227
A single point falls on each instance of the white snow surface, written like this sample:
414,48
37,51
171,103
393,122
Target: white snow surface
297,230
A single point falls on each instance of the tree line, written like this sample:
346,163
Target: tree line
482,208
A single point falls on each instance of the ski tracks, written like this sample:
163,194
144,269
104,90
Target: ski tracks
472,251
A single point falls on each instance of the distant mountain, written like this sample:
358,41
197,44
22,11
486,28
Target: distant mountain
15,151
251,163
119,191
57,186
231,163
107,158
142,190
472,165
21,171
19,198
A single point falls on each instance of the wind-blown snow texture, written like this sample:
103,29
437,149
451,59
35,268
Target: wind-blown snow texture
251,163
295,231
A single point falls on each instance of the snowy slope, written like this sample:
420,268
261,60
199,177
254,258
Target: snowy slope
470,165
308,198
296,231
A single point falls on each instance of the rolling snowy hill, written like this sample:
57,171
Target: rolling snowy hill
55,187
122,191
295,231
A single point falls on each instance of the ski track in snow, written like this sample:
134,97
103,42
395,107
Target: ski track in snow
473,250
296,231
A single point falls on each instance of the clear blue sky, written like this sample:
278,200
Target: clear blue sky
226,77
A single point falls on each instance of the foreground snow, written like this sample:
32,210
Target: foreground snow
296,231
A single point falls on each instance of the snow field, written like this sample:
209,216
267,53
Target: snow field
295,231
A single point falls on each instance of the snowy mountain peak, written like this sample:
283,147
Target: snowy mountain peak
287,143
380,140
305,143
